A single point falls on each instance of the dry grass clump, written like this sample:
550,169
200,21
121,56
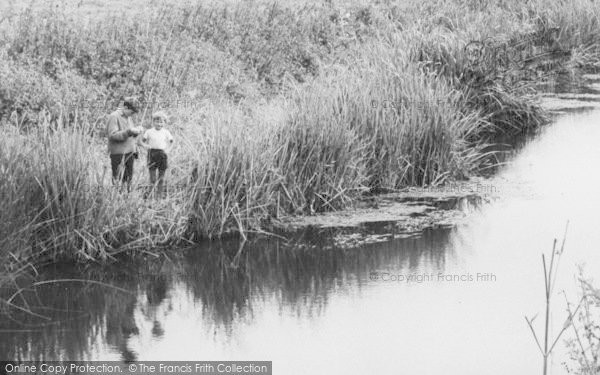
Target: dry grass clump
230,179
402,127
320,156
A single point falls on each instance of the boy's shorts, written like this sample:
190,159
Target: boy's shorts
157,159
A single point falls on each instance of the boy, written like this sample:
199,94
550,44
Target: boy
159,142
122,141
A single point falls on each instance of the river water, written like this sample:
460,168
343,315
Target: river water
450,301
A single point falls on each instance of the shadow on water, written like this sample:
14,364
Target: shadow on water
222,281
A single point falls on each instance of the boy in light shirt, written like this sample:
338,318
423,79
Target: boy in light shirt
159,141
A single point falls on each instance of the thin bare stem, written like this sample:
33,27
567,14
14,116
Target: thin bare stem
529,322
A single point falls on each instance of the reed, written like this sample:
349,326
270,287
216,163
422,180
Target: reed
230,181
319,156
60,204
278,110
550,268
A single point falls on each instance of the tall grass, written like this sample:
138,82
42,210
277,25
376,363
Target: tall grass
287,110
231,177
58,202
321,158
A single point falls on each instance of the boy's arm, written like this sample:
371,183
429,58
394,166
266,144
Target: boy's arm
144,141
112,129
170,139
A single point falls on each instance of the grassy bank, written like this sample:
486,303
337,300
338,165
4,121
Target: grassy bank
276,110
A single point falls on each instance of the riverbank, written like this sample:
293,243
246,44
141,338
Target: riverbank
409,211
280,111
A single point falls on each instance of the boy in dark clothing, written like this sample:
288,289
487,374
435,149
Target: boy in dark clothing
122,141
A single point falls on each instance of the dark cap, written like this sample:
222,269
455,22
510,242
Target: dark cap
131,103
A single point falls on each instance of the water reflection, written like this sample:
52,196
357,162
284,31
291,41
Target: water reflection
218,284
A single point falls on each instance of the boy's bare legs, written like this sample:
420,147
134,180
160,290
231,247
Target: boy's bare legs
161,182
153,176
157,180
152,173
122,170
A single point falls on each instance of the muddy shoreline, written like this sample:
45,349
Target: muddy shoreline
404,213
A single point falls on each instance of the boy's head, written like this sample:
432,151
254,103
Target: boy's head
474,52
131,106
159,119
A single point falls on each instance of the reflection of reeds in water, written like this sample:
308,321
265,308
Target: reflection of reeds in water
74,318
227,284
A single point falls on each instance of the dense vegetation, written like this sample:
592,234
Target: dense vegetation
276,110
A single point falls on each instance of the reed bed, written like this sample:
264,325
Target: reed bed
276,110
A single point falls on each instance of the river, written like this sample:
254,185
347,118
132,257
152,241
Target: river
449,301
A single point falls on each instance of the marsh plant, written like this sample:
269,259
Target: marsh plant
585,343
281,121
550,266
583,318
